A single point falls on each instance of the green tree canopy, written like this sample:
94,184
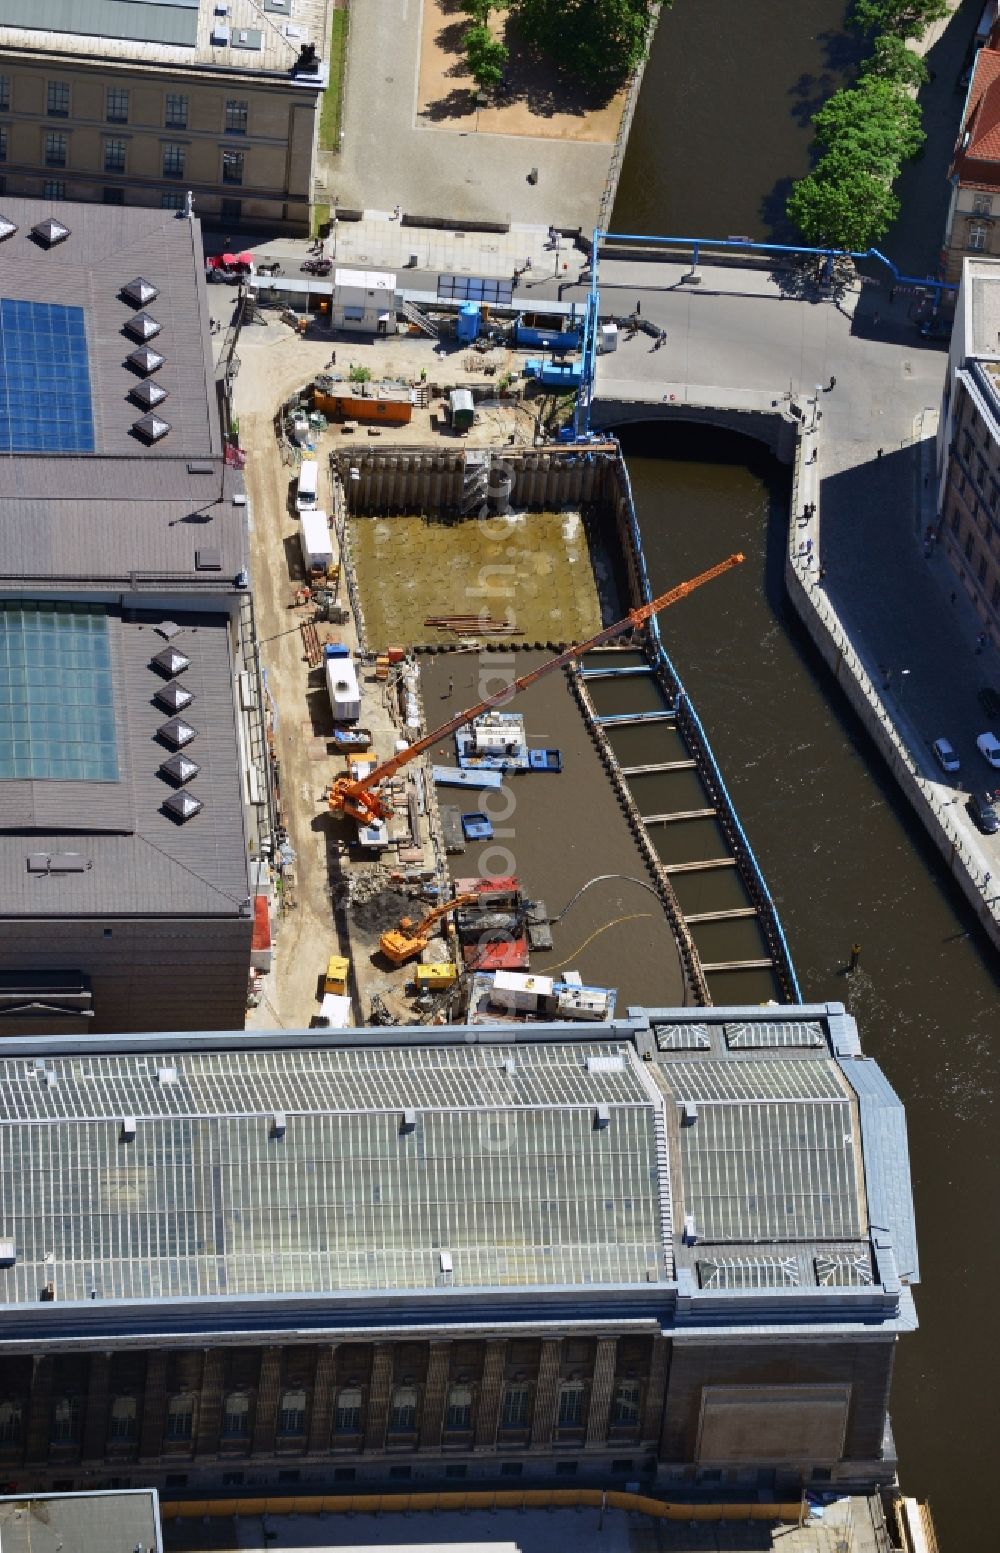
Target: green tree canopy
876,124
904,18
597,41
891,60
846,210
485,56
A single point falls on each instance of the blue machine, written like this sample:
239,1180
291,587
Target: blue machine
469,322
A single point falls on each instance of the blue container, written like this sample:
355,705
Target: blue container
336,650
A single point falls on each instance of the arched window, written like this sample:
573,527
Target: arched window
403,1413
121,1425
236,1415
65,1420
180,1416
458,1414
11,1418
347,1415
292,1413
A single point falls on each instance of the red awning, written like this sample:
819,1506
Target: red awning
245,258
229,258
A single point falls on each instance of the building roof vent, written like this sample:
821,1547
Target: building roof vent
602,1115
182,805
409,1122
167,628
177,732
180,769
174,697
148,394
7,228
49,232
143,327
8,1253
152,427
140,292
128,1129
171,661
145,360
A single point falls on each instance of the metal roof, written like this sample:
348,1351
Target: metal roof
139,860
505,1171
116,1522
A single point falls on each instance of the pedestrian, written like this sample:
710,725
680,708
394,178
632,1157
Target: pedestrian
986,879
397,212
527,264
892,294
954,598
879,453
855,959
875,319
832,384
638,307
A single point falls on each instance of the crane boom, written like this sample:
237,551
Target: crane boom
357,797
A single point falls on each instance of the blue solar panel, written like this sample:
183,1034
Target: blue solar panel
45,404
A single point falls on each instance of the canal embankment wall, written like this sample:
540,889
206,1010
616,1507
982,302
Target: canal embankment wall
856,674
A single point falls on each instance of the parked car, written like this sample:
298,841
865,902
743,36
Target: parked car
989,700
944,754
988,746
982,807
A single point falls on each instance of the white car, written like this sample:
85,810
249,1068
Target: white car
944,754
988,746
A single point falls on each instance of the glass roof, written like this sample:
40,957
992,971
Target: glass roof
45,403
57,717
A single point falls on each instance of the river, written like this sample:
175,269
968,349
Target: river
840,850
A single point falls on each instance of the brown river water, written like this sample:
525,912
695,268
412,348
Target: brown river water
722,122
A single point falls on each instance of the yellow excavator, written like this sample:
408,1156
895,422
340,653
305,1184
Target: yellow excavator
359,798
410,938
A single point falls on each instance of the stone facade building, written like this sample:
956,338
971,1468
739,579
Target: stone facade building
969,444
678,1249
137,102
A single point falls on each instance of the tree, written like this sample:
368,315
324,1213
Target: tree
485,57
598,41
903,18
842,210
875,124
891,60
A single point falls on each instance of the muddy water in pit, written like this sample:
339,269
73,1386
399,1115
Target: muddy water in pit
558,831
533,569
844,860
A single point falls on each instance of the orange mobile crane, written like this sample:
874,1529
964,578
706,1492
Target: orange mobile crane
358,796
402,943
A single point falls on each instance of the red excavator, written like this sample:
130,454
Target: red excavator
359,798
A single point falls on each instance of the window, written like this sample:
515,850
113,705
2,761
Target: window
171,202
122,1422
174,158
458,1414
116,109
982,204
456,1469
516,1407
231,210
347,1415
175,115
968,547
4,93
114,156
236,117
53,189
10,1422
232,1479
994,600
571,1405
623,1464
236,1416
292,1413
625,1405
291,1475
566,1469
113,197
956,521
401,1474
981,569
232,166
66,1420
180,1417
176,1480
344,1474
511,1469
3,143
403,1413
57,100
978,231
56,148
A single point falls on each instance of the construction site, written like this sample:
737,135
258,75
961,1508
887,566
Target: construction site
490,798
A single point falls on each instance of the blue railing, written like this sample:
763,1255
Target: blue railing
749,856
